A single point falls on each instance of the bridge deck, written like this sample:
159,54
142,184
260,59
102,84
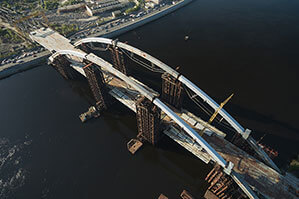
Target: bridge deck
258,175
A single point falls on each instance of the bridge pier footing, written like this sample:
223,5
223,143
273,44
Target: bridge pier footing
148,121
172,91
97,85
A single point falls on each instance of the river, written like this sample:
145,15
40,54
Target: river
248,48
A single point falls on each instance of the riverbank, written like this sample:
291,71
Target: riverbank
143,20
31,62
28,63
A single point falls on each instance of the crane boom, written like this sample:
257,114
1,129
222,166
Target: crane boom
216,113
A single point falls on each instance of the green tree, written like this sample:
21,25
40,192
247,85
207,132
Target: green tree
71,2
51,4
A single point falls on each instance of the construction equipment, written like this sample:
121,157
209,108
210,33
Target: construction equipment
215,114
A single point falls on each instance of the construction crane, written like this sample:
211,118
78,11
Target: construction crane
215,114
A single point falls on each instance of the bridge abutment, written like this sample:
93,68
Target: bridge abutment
172,91
148,121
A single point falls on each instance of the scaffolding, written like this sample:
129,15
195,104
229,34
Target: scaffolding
148,121
172,91
97,85
118,59
84,48
62,65
222,186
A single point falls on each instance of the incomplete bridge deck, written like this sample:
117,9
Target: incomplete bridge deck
259,176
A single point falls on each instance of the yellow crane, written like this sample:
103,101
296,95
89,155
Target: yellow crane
215,114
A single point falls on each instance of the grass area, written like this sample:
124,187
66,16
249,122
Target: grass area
51,4
65,29
133,9
102,20
8,36
137,7
71,2
19,5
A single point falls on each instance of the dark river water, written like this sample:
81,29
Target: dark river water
249,48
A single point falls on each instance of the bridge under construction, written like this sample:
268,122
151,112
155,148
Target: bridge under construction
242,169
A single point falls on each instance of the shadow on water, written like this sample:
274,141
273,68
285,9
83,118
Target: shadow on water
253,115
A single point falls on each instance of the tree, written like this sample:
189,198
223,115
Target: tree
51,4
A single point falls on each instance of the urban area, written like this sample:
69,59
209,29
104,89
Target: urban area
74,19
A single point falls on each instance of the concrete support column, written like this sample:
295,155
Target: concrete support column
172,91
118,60
148,121
62,65
97,86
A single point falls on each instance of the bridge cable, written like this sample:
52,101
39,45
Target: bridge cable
221,122
91,46
141,63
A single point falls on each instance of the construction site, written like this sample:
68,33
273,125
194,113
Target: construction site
239,165
242,168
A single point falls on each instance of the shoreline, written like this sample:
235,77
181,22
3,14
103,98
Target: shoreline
31,62
147,19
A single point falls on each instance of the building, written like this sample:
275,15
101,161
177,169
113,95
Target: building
149,5
71,8
105,6
116,13
88,11
154,1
